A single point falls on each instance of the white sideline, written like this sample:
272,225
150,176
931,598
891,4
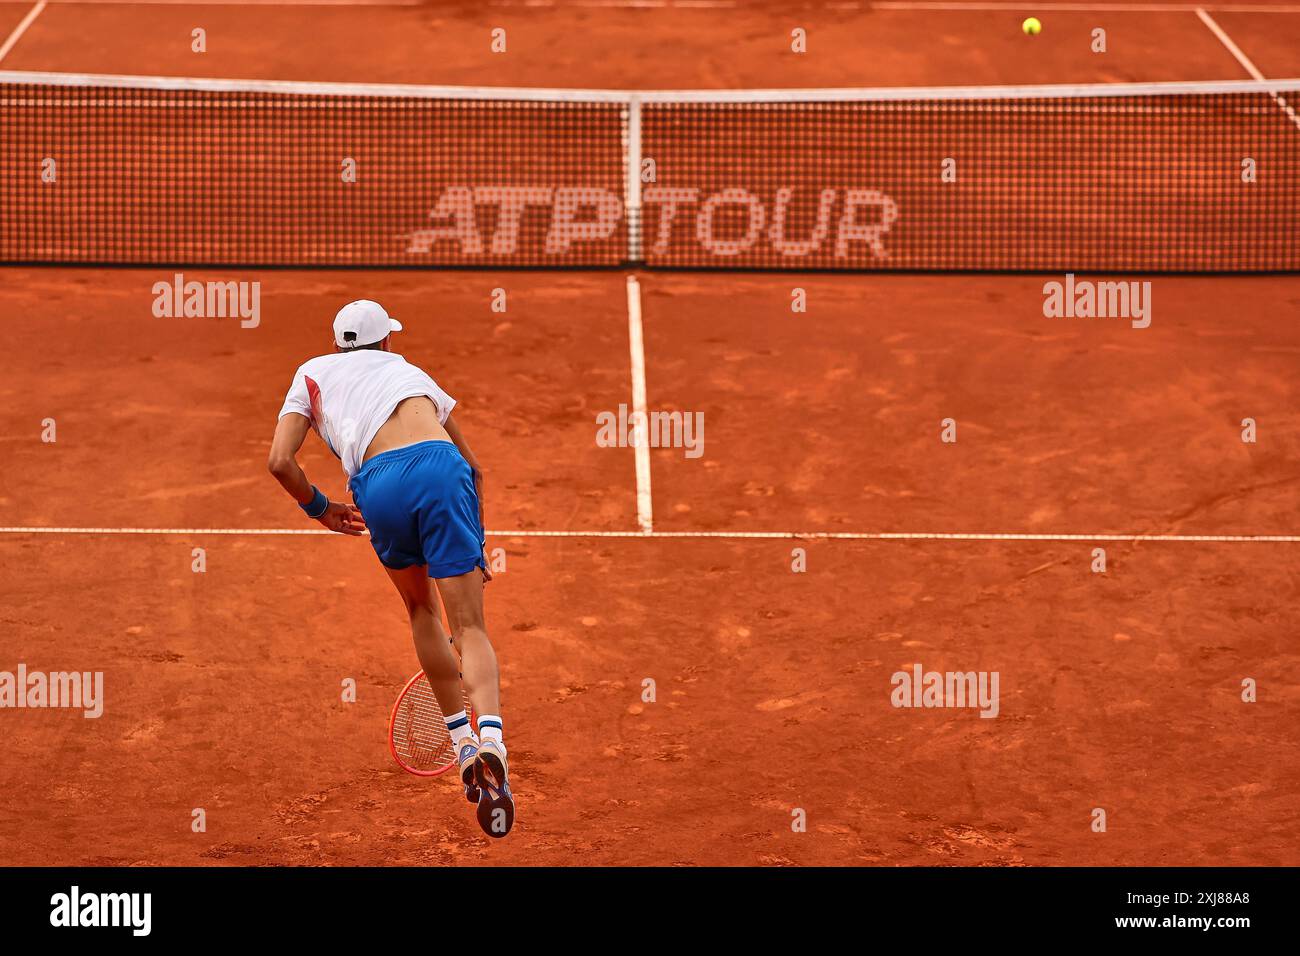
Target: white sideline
19,30
1231,46
1246,63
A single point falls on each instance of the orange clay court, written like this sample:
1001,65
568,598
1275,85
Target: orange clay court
1120,690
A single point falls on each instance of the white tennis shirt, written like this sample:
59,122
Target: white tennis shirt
347,397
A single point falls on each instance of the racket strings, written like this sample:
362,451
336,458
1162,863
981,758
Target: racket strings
421,740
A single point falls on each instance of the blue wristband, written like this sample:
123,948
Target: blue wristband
318,505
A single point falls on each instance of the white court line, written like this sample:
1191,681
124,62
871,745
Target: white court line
733,535
19,30
1246,63
640,424
865,5
1232,47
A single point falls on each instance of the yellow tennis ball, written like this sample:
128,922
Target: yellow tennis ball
1032,26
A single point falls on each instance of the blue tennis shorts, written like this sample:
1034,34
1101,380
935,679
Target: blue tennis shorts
421,507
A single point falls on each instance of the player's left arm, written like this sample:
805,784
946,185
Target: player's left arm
458,439
290,433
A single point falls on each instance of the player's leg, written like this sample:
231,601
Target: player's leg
431,644
441,668
452,547
462,595
384,494
452,543
392,493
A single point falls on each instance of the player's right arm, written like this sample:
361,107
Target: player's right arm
282,462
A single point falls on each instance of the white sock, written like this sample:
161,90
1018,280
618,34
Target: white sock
489,728
458,726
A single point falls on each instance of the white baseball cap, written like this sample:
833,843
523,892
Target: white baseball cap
363,323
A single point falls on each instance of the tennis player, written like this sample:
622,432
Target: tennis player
418,490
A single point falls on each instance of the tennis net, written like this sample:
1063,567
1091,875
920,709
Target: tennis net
1122,177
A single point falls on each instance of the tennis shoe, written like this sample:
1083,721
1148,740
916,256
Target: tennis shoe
468,761
496,805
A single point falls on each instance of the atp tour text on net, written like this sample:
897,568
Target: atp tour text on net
865,216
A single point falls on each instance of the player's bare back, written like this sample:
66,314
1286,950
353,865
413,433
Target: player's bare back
413,420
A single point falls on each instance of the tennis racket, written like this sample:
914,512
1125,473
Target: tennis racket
417,731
